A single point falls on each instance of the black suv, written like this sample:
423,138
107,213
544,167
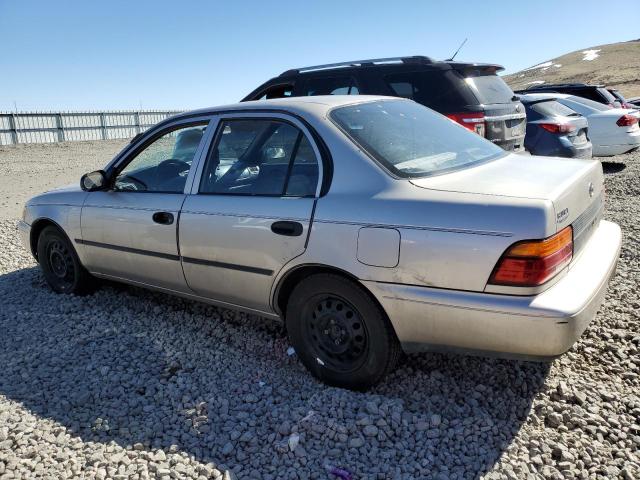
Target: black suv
597,93
469,93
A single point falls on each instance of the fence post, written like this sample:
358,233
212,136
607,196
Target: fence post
103,126
136,116
60,127
14,128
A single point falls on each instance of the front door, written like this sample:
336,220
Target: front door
130,230
250,209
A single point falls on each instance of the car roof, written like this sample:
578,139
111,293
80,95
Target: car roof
314,105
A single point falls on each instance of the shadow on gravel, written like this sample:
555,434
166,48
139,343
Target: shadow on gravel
132,367
612,167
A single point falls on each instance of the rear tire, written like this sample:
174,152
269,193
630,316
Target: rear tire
340,333
60,264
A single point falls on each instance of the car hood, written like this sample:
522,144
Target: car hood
571,184
70,194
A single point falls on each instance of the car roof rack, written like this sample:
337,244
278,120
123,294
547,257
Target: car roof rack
416,59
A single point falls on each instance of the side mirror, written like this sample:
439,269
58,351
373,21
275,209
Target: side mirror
93,181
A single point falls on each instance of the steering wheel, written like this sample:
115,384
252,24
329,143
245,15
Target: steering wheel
233,173
171,168
130,183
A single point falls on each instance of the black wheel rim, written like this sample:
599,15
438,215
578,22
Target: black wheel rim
337,333
60,263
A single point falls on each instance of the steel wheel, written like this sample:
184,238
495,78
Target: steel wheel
60,262
339,332
336,331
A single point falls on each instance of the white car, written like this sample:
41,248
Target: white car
612,131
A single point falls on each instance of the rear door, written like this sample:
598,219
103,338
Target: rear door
250,209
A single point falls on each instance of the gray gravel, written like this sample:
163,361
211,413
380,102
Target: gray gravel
132,384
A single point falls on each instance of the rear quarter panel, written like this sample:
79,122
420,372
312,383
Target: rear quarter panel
446,241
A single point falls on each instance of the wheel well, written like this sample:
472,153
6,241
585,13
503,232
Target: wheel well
289,282
36,229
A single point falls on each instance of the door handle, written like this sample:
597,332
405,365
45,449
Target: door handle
288,229
163,218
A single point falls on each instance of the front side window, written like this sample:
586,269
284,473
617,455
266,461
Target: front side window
411,140
260,157
330,86
163,165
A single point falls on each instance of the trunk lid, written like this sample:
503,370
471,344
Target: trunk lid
572,185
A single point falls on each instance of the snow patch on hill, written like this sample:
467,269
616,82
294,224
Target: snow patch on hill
590,55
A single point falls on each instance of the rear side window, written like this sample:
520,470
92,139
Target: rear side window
490,89
442,91
260,157
552,108
330,86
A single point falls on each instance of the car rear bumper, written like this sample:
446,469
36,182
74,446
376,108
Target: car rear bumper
24,230
534,327
623,145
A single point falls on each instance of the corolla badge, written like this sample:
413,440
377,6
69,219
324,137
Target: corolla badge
562,216
591,189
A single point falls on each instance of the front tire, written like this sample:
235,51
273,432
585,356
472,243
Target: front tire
340,333
60,264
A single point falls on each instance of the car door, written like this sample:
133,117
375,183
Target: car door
250,209
129,231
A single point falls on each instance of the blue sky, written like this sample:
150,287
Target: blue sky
116,54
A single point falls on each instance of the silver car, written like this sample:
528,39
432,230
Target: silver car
370,225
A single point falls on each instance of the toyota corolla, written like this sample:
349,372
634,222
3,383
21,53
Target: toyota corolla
370,225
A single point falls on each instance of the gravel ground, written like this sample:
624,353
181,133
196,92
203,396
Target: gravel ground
132,384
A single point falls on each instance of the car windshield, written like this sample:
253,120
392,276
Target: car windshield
411,140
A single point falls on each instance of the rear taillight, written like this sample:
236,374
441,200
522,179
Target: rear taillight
558,127
472,121
533,262
626,120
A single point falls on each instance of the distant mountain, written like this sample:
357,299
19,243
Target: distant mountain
615,65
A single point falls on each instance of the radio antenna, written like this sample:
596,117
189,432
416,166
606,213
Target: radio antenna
454,55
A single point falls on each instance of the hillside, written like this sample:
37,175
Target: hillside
615,65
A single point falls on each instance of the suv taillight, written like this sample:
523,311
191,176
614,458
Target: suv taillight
626,120
558,127
533,262
472,121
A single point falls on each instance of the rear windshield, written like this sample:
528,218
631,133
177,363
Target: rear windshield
607,95
490,89
444,91
590,103
551,108
411,140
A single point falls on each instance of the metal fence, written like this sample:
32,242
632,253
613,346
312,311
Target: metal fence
48,127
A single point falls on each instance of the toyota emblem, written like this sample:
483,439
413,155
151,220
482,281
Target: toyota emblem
591,189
